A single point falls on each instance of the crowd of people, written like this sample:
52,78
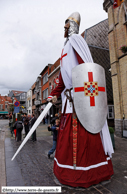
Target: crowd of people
26,122
23,125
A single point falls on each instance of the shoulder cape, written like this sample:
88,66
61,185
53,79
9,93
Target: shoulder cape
81,47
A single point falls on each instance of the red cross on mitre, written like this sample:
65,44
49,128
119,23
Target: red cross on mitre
62,56
90,89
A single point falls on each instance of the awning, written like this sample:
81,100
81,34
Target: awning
4,112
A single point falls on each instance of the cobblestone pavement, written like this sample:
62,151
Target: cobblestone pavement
32,167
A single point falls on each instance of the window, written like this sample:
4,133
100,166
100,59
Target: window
22,96
39,83
45,78
33,102
110,112
1,106
125,17
45,94
5,106
54,84
29,103
49,88
29,93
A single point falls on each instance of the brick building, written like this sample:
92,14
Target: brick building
33,98
117,37
38,96
5,102
44,86
53,78
54,74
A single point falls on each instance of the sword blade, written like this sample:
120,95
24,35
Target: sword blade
33,128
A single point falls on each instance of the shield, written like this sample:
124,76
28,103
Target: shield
90,98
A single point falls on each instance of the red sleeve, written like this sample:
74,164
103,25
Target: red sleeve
79,58
58,90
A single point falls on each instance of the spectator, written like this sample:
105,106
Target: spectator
11,123
55,129
46,119
32,123
26,125
10,117
29,116
24,117
18,126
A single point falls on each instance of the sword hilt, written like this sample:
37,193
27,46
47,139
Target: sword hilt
69,97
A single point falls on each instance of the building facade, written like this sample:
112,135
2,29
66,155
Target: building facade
38,96
44,88
44,85
21,96
29,102
33,98
5,102
117,36
53,82
54,76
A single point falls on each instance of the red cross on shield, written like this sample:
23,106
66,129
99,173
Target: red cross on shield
90,89
90,98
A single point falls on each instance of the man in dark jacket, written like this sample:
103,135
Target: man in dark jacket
19,127
26,125
11,124
32,123
55,129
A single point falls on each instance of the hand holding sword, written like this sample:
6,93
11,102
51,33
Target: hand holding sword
51,100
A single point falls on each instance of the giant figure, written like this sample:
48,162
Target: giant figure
82,158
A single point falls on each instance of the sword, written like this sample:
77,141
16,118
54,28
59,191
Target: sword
33,128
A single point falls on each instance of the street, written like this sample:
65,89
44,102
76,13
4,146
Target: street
3,123
32,167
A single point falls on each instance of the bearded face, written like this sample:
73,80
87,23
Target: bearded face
66,28
71,27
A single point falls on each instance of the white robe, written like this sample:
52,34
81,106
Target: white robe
67,63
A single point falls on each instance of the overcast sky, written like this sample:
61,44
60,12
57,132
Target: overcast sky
31,36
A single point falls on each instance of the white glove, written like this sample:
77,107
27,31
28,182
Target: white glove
49,98
52,99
